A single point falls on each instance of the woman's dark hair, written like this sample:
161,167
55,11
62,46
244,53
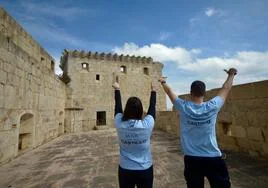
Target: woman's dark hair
198,88
133,109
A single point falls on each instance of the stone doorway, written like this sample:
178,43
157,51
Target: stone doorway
26,132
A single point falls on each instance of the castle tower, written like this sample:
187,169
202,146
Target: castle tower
90,96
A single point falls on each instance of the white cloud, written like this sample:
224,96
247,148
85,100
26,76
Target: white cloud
210,11
159,52
164,36
56,10
252,66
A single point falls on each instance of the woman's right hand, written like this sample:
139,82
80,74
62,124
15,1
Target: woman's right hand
116,86
153,86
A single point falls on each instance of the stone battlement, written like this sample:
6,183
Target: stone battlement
108,56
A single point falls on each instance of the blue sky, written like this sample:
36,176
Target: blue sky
194,39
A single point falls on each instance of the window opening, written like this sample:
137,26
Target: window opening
101,118
85,66
146,70
52,65
123,69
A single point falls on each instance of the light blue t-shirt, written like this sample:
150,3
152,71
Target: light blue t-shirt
134,140
197,127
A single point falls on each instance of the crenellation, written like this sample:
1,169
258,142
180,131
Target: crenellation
115,57
96,55
126,58
108,56
54,108
102,56
121,57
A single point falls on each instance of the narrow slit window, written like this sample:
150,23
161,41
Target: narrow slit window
97,77
52,65
123,69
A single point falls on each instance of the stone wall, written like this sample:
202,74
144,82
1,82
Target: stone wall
168,121
32,98
242,122
90,90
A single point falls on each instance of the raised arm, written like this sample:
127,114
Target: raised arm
117,97
227,86
172,96
151,109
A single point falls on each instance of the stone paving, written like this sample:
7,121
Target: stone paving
91,160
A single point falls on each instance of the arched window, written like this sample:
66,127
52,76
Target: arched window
123,69
146,70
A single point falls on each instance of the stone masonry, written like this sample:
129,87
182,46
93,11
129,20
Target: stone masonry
36,106
90,93
242,122
32,98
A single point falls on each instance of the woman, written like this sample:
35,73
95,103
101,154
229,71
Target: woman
136,167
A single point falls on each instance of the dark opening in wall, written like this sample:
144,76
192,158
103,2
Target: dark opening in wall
123,69
146,70
97,77
101,118
52,65
42,59
226,128
85,66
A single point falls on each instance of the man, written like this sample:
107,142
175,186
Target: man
202,157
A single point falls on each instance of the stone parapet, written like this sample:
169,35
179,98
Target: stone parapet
107,56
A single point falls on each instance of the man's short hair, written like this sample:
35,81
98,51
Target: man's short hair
198,88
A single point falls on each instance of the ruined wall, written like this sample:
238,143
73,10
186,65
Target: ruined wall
242,122
32,98
91,89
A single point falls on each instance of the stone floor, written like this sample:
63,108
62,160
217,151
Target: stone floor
91,160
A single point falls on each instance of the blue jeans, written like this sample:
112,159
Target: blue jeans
213,168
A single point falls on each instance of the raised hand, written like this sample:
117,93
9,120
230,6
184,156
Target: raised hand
153,86
231,71
116,86
162,79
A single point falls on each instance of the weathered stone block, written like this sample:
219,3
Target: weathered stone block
261,89
3,77
10,96
240,119
242,92
228,142
265,149
7,152
2,101
238,131
254,133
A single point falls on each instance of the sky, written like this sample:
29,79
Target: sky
194,39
